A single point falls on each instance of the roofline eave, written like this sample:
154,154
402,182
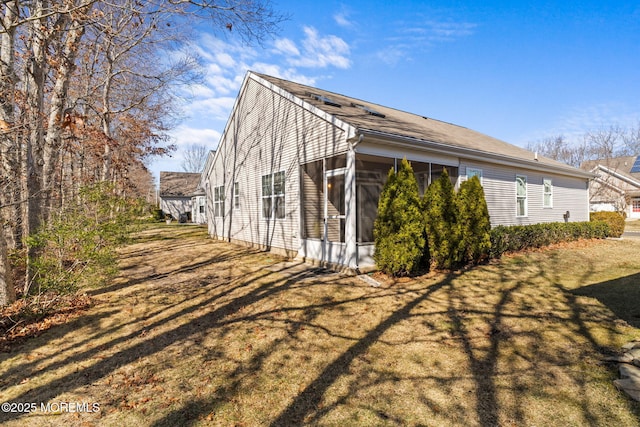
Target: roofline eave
618,175
412,142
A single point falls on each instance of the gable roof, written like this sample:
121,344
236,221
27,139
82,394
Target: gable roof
620,166
178,184
389,123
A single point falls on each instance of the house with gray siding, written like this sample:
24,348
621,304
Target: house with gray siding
299,170
616,187
180,196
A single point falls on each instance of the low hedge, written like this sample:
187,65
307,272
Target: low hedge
520,237
614,219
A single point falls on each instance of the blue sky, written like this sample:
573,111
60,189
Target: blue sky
517,71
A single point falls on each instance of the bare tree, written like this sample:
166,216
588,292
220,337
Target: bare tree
559,148
194,158
125,102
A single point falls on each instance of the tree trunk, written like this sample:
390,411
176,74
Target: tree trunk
35,81
9,183
57,113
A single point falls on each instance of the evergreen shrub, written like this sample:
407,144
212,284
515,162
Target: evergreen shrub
400,243
473,223
77,246
520,237
441,222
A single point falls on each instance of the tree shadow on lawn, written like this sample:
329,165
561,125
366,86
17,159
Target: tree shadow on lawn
100,369
496,319
483,330
621,296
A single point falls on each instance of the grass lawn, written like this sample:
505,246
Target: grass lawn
200,332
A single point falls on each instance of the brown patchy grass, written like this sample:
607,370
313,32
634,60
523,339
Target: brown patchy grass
200,332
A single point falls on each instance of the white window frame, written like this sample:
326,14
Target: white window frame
471,172
236,195
218,201
273,195
520,197
546,193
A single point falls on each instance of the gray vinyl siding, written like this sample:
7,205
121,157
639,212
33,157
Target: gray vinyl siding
499,183
267,133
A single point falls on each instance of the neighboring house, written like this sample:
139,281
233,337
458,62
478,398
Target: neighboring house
176,191
300,170
616,186
198,206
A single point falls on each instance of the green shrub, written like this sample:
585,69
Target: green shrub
473,222
441,222
520,237
614,219
398,229
76,247
157,214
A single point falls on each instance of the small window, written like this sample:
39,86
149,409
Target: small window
547,193
218,201
236,195
636,206
273,195
521,195
471,172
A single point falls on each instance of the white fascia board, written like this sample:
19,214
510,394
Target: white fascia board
349,130
471,154
218,150
620,177
208,166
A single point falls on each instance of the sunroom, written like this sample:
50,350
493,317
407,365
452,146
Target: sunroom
339,203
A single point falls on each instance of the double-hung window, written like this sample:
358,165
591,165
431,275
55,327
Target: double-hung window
547,193
273,195
521,195
218,201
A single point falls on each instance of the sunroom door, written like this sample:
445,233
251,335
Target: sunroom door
334,206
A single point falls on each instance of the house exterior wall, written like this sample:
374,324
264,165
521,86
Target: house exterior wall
499,183
198,209
267,133
175,206
270,132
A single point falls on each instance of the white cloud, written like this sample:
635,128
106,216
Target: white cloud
286,47
342,19
391,56
316,51
412,37
211,108
448,31
184,136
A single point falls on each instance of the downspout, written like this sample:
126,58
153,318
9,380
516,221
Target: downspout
353,142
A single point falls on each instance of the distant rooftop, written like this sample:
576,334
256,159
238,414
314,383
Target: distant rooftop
178,184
